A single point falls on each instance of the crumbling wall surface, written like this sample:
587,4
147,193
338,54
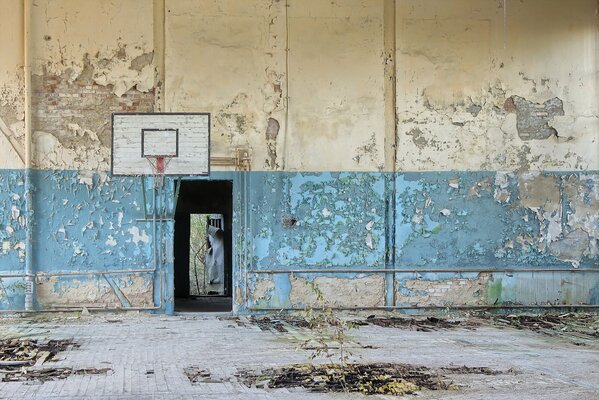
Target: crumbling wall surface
497,288
228,58
12,237
476,91
89,59
462,238
95,291
310,290
338,291
12,220
438,290
330,220
89,222
83,223
497,220
12,86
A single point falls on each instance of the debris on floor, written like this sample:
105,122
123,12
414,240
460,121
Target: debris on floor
426,324
22,360
196,375
464,370
204,375
279,323
370,379
28,352
47,374
573,325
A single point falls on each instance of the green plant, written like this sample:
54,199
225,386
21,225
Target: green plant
327,330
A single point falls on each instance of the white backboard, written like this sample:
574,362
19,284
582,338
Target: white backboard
184,137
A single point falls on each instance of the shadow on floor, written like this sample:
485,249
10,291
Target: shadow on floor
203,304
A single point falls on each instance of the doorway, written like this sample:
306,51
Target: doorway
203,246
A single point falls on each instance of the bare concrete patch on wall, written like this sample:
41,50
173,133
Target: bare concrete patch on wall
117,80
12,123
571,247
272,132
93,292
565,208
368,291
533,119
443,292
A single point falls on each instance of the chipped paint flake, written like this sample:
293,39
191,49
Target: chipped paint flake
110,241
137,237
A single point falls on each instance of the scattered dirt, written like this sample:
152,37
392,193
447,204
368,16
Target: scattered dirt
577,327
27,352
195,374
22,359
426,324
387,379
464,370
268,324
47,374
280,323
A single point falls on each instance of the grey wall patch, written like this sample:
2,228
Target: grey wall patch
533,118
571,247
272,129
418,138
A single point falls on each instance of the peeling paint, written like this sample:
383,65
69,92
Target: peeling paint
571,247
482,182
338,292
263,289
533,119
92,292
443,292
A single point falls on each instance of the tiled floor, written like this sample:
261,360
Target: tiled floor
148,355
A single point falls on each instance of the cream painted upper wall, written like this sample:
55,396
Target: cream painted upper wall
94,50
228,58
64,32
457,65
11,84
11,40
336,72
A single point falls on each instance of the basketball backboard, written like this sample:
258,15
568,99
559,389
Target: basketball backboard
140,138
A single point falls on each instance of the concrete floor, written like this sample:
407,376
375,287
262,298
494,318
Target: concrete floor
148,354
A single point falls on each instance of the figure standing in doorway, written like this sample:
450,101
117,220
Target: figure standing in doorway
215,255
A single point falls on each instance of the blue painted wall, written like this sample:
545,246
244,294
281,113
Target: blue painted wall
409,239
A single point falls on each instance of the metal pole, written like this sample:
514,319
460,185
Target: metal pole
29,267
415,271
154,230
79,273
68,309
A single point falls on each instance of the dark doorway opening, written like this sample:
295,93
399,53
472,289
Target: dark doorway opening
209,206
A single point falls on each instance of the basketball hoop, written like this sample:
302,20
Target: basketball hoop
177,141
159,163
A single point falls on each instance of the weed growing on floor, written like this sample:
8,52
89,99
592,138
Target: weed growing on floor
328,332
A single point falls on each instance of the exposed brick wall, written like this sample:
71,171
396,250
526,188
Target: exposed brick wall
58,103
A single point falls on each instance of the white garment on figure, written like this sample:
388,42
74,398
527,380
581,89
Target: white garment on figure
215,257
